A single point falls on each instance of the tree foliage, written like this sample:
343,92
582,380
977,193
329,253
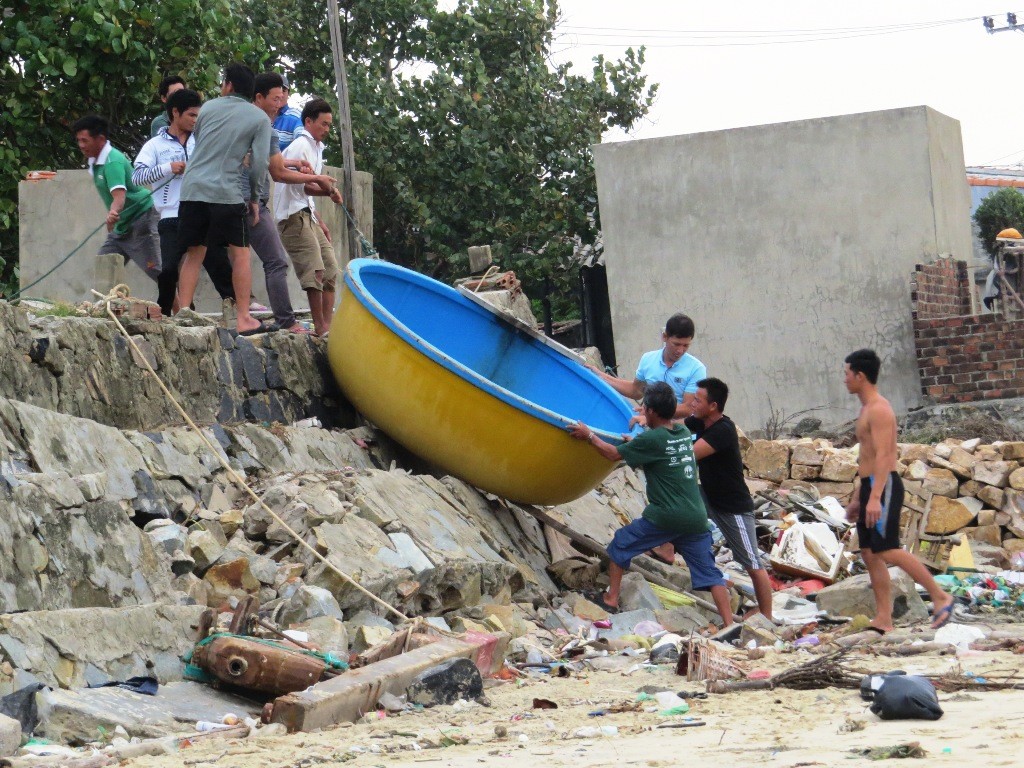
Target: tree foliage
1003,208
61,59
472,134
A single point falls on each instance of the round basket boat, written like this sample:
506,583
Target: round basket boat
465,389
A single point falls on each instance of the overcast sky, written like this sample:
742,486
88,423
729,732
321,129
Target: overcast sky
858,57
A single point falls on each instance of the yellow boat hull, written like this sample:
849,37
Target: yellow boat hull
450,422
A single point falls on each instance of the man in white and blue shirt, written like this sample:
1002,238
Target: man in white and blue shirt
159,166
672,364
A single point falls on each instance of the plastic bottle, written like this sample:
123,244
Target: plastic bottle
206,725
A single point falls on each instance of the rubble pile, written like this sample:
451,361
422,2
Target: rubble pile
125,549
956,491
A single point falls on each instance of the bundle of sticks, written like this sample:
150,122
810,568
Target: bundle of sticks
827,671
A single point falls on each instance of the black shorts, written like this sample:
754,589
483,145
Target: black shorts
212,224
885,534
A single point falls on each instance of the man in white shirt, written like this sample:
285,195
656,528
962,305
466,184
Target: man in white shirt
304,235
159,166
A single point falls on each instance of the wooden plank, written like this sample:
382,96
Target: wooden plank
347,697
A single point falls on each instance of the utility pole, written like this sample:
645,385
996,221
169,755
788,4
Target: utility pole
1011,24
344,125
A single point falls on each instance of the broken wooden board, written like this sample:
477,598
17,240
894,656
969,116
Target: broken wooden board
346,698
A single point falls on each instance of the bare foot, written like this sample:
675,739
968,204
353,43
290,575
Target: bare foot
881,629
297,328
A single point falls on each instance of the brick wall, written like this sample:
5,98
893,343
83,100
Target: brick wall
940,289
962,357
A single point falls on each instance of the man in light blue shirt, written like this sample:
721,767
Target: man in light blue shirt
672,364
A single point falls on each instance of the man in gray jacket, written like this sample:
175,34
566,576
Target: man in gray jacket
213,208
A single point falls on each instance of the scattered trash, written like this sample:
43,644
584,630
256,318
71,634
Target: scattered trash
911,749
592,731
544,704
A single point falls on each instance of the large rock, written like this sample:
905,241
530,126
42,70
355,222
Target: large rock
839,467
988,534
1012,513
82,716
90,646
768,460
991,496
948,516
10,735
941,482
811,454
993,472
1016,479
917,470
854,596
53,556
1013,451
307,603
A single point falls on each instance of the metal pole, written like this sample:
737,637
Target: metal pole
344,124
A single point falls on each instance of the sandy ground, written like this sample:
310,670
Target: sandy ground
771,728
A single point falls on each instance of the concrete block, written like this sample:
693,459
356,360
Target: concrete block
346,698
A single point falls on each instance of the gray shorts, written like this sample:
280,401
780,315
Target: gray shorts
740,536
141,243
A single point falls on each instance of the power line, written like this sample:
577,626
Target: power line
725,38
766,32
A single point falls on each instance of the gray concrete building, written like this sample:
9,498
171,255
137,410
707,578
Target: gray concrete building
790,245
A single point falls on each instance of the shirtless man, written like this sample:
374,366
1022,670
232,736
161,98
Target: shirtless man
877,502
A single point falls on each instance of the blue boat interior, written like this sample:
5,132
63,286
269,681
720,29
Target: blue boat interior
441,318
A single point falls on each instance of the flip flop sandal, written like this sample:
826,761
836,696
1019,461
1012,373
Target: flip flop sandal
943,616
261,328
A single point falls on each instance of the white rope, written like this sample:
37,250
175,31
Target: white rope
121,292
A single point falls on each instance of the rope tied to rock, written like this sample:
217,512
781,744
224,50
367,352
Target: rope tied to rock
120,293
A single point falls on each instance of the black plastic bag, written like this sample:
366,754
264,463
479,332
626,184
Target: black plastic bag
906,697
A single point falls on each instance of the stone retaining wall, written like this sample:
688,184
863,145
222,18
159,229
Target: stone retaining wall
84,367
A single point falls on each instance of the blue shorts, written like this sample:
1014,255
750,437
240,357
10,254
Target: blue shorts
639,536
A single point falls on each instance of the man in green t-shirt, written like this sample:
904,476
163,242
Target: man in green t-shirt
675,512
131,218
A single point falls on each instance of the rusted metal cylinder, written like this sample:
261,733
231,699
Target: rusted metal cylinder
257,666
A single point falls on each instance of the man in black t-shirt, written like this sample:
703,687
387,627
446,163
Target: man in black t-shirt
717,448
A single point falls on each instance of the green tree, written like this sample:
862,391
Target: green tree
61,59
472,135
1001,209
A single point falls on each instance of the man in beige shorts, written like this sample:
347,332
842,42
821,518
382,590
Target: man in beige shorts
303,234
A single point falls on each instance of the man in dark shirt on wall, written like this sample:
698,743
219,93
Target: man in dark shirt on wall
674,511
717,448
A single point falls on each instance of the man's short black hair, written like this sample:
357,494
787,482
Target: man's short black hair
183,101
314,108
718,391
241,78
865,361
167,82
266,82
680,326
94,124
660,398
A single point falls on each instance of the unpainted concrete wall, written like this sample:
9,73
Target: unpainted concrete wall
790,245
57,214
